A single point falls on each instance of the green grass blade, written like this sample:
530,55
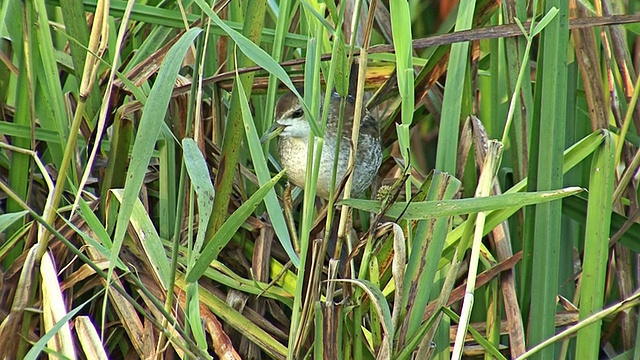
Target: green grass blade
262,172
453,93
50,80
148,131
251,50
7,219
441,208
20,163
276,54
173,18
402,37
150,241
596,246
610,311
424,256
228,229
546,249
485,184
76,28
199,174
380,304
167,184
230,316
39,346
575,207
193,315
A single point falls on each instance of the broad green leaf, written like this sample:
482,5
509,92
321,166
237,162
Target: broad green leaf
201,180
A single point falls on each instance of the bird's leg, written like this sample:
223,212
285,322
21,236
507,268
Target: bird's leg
288,207
342,240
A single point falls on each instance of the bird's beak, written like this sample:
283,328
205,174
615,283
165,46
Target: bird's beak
273,132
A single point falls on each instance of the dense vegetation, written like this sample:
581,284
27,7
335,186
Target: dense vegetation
141,215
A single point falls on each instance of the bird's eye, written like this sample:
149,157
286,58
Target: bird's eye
298,113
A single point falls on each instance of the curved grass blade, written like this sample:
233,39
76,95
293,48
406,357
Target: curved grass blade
228,229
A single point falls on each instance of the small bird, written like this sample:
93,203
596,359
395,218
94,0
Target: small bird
293,143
